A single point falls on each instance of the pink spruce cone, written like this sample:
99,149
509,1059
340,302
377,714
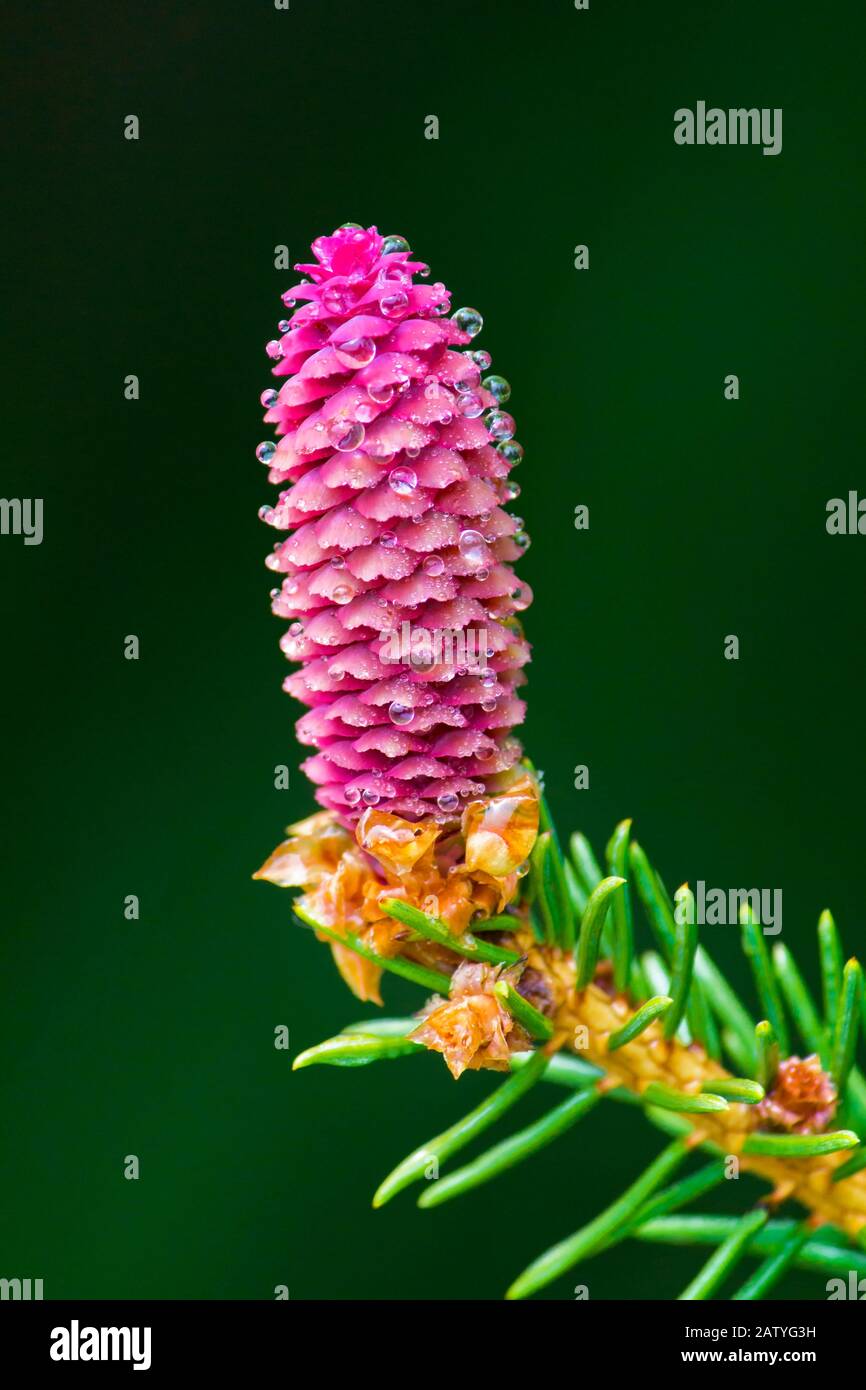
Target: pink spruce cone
394,460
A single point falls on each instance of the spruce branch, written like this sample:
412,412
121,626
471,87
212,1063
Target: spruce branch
436,857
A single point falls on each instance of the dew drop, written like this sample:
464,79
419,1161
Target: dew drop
481,358
352,795
498,387
489,706
468,379
403,481
521,539
392,244
470,405
388,539
355,352
369,797
346,435
382,395
266,511
393,306
522,869
499,424
337,562
434,565
472,548
295,629
421,658
269,398
274,348
342,594
511,451
266,450
468,321
380,452
400,714
520,599
448,802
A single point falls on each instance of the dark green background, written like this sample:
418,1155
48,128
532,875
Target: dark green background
156,778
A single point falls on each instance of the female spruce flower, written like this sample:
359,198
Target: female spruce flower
393,457
393,460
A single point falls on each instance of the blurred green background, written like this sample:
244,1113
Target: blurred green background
261,127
